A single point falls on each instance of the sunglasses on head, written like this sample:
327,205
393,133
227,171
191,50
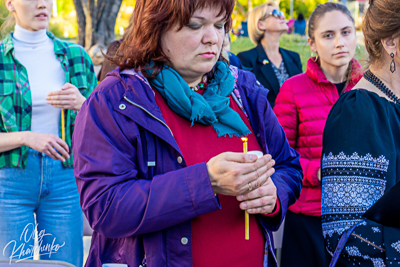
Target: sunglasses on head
275,13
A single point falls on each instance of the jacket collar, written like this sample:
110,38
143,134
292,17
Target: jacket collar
267,69
314,71
142,101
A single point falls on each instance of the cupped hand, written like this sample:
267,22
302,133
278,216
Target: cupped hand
49,144
68,97
235,173
261,200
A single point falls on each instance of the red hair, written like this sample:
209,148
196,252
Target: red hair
151,19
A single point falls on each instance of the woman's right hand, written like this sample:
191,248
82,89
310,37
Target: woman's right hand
235,173
49,144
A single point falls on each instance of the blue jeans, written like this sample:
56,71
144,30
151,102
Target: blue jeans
47,189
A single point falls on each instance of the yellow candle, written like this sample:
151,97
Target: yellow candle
246,214
63,125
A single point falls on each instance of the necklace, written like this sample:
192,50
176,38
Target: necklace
201,85
369,76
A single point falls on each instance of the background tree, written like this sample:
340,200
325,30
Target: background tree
96,21
300,6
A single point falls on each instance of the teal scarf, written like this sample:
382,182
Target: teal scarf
211,108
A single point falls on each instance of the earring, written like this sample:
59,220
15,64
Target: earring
392,64
316,58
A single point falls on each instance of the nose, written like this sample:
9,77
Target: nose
210,35
339,41
41,3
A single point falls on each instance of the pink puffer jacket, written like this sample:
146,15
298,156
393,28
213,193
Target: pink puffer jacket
302,107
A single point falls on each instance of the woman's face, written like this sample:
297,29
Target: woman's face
194,50
335,39
271,23
32,15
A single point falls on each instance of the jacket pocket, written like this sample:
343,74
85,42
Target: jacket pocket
80,81
7,109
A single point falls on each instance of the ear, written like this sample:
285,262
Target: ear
260,25
391,45
9,6
311,43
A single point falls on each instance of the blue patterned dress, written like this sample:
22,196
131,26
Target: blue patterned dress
360,162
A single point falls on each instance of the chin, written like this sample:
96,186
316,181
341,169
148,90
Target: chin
340,62
206,67
41,26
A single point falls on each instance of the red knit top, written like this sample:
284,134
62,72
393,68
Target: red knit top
217,237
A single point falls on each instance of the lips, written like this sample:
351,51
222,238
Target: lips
41,15
341,54
208,53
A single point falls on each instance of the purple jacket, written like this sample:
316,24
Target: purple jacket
135,188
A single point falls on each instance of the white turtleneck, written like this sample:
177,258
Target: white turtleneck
35,51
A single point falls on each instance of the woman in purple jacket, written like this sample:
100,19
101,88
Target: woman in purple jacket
155,180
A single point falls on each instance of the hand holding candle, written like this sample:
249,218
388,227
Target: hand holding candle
262,199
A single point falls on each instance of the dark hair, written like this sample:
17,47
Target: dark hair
382,20
300,16
320,11
151,19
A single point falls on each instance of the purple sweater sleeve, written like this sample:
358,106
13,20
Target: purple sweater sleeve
117,202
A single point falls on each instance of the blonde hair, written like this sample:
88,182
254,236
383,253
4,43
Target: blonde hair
257,14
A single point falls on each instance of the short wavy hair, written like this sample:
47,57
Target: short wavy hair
151,19
257,14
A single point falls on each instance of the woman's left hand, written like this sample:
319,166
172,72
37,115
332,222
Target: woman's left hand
261,200
68,97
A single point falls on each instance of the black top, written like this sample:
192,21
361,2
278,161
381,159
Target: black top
256,60
360,162
340,87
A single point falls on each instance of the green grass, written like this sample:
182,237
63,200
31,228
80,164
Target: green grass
292,42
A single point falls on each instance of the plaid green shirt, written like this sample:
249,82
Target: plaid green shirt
15,93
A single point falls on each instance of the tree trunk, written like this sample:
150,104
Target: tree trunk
96,21
80,14
241,8
249,6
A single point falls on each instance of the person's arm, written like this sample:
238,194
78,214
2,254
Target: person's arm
10,141
359,160
244,60
298,62
118,202
49,144
288,172
70,97
286,112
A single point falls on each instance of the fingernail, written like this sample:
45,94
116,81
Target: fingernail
252,157
244,206
240,198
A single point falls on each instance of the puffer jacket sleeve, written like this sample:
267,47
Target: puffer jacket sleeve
116,200
286,112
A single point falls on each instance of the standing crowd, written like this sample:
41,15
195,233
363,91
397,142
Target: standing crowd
153,155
